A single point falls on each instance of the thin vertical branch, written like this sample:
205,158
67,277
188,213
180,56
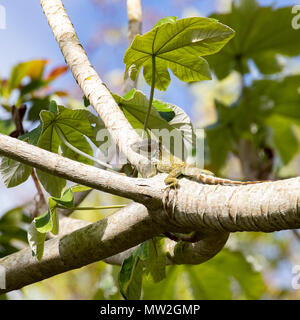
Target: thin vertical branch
134,11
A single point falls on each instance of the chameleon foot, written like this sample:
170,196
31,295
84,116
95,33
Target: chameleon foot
166,201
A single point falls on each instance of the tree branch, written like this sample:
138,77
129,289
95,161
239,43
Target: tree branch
212,210
134,11
93,242
267,207
190,253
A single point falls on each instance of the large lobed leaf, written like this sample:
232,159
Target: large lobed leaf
211,280
33,69
75,125
13,225
149,254
177,45
261,34
270,105
164,116
13,172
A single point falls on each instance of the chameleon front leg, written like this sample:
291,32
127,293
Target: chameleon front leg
172,182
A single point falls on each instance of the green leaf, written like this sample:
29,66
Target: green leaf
207,284
155,263
219,143
281,96
13,172
33,136
44,222
52,184
135,105
13,226
80,188
54,216
48,222
261,34
165,20
131,276
36,241
30,87
284,138
235,265
74,125
177,45
67,199
167,289
33,69
53,107
267,62
7,126
274,106
211,280
180,121
37,105
165,111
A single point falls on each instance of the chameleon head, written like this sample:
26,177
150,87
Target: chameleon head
161,165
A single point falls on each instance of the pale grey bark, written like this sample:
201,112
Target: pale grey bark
93,242
210,209
268,206
134,12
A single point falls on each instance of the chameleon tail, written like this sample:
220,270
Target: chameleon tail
225,182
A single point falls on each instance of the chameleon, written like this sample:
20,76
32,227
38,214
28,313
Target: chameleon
180,168
175,167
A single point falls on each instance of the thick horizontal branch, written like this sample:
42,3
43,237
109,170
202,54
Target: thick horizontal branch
210,209
191,253
268,206
93,242
75,171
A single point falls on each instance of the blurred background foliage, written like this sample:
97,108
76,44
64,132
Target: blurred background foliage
251,115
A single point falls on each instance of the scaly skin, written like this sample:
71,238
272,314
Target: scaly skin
177,169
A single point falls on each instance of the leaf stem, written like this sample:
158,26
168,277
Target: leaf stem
93,208
69,145
151,95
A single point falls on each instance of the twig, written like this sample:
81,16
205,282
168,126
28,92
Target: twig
134,12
